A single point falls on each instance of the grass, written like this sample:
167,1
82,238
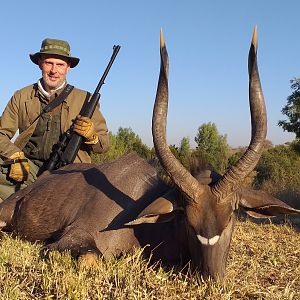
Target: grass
264,263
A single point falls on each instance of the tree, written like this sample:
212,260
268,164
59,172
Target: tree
185,148
213,146
129,140
184,151
123,142
292,110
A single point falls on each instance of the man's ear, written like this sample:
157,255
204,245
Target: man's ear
259,204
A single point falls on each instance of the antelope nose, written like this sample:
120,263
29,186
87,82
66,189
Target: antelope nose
208,242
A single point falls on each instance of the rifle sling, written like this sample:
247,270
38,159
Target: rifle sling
22,139
58,100
9,162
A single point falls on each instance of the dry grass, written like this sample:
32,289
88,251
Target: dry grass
264,263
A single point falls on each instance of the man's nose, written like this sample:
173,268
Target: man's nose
53,69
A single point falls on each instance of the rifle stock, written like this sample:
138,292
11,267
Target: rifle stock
68,146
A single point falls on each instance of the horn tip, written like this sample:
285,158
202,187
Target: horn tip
162,39
254,37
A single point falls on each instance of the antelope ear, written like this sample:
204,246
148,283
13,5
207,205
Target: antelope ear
163,209
259,204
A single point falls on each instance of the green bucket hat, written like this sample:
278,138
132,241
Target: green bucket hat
57,47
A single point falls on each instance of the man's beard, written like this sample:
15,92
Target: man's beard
53,85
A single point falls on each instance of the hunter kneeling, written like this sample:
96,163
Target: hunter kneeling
42,112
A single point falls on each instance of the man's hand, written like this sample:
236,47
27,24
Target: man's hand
19,170
85,127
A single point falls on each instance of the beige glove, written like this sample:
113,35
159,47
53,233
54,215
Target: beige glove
19,171
85,127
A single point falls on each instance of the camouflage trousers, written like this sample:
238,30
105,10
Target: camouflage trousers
8,187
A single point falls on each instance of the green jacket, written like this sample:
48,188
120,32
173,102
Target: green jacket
24,107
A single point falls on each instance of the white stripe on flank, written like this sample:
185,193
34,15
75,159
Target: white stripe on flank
208,242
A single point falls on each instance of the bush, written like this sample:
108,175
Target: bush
122,143
278,172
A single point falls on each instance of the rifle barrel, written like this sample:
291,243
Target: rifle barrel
116,49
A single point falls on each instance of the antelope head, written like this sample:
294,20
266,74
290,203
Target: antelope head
210,201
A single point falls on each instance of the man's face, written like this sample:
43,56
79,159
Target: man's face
54,71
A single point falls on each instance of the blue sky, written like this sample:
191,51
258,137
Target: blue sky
207,42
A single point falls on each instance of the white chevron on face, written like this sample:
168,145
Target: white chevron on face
208,242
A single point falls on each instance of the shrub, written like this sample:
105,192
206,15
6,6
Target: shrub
278,172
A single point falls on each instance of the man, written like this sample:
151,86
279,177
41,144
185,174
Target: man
29,154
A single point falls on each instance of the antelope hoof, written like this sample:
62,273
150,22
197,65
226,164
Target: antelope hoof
88,260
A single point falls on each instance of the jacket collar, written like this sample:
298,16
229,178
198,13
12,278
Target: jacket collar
43,94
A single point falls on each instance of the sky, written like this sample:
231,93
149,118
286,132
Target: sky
207,43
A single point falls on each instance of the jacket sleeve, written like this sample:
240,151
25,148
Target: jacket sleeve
102,131
9,124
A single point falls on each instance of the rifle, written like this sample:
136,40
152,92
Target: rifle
67,148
